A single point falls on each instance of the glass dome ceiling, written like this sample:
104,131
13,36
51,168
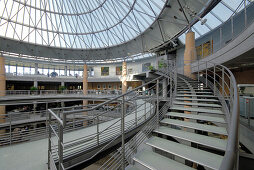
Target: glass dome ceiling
82,24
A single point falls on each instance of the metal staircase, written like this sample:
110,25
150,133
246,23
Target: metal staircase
199,129
188,134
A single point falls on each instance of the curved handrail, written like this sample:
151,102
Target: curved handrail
230,159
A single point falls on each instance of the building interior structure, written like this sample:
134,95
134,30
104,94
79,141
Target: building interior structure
135,84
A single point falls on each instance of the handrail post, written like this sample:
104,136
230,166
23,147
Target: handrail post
49,141
10,130
98,130
145,110
214,76
136,115
123,135
223,94
206,73
60,145
198,70
157,97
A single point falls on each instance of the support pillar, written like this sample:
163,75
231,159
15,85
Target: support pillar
124,77
189,54
85,87
36,68
2,89
143,88
35,83
62,83
65,70
164,87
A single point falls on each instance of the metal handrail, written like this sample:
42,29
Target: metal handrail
226,89
124,98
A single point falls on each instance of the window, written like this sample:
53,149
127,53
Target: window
130,71
145,67
98,86
118,70
109,86
115,86
120,86
104,86
104,71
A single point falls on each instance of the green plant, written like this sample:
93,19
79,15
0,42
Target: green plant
150,68
33,88
62,88
162,64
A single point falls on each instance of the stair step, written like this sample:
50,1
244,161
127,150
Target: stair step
197,117
195,95
197,104
131,168
156,161
202,100
200,110
197,126
190,92
198,156
212,142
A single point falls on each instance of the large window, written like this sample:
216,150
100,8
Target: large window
104,71
145,67
118,70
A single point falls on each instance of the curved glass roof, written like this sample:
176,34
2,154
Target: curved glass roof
218,15
77,23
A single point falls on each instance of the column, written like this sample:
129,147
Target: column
35,68
65,70
189,54
35,83
164,87
124,77
85,87
144,87
2,89
62,83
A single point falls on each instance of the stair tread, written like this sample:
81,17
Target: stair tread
201,157
189,99
156,161
193,137
197,126
132,168
194,92
197,117
201,110
195,95
197,104
193,89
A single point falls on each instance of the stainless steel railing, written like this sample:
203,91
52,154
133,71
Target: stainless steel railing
58,92
104,135
222,81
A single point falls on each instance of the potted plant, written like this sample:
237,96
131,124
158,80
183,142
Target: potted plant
151,68
33,90
62,88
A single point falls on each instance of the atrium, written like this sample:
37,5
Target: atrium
126,84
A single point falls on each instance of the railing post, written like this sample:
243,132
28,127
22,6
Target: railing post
60,145
98,130
214,76
198,70
49,141
145,110
10,130
206,73
136,115
157,97
223,94
123,135
47,126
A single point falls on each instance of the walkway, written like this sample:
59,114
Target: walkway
33,155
